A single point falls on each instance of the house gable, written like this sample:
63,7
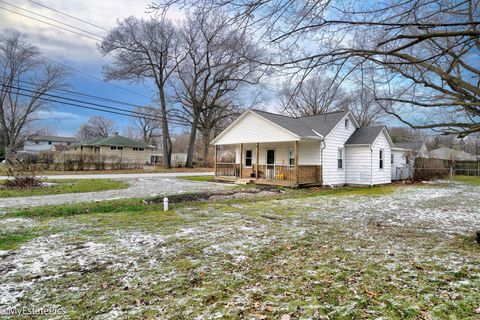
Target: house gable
252,128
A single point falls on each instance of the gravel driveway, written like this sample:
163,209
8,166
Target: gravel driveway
139,187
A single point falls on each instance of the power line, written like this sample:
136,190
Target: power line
97,78
68,15
55,20
50,24
87,105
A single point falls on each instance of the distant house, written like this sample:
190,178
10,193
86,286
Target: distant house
41,143
116,147
403,158
445,153
327,149
178,159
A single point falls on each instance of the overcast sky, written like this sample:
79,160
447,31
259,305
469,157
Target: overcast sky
76,51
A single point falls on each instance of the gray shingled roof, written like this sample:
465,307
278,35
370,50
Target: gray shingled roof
305,126
409,145
365,135
115,140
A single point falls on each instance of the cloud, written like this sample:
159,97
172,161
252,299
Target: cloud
58,115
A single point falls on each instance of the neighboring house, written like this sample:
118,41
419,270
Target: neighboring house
452,154
177,159
40,143
327,149
116,148
403,158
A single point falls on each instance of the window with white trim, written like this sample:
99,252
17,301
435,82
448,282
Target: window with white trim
248,158
380,164
347,123
340,159
392,160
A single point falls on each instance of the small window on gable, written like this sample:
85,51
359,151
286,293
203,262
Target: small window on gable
380,165
340,159
347,123
248,158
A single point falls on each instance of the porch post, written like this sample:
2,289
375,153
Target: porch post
295,155
241,160
215,160
256,160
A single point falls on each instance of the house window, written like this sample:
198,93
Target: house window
381,159
347,123
141,149
392,160
340,159
113,148
291,157
248,158
407,160
120,148
49,142
37,142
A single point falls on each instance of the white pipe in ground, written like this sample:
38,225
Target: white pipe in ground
165,204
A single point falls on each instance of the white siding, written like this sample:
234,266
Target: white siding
308,152
253,128
381,176
359,165
335,140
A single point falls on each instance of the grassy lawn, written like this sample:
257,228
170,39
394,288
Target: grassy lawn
468,179
65,186
197,178
393,252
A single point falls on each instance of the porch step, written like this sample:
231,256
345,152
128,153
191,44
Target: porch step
243,181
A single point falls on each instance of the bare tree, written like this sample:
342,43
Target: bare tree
315,95
426,49
144,50
96,127
147,125
20,63
215,60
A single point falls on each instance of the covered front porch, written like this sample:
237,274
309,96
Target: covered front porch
290,164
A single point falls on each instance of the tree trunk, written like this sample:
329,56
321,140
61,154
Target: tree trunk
166,140
206,145
191,141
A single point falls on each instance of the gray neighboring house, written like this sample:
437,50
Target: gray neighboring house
41,143
445,153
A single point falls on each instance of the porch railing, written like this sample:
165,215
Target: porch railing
276,172
227,170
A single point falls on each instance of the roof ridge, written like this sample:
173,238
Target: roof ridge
290,117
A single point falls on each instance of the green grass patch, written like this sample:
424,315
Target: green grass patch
472,180
197,178
11,241
65,186
65,210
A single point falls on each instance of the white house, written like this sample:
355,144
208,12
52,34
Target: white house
328,149
41,143
403,158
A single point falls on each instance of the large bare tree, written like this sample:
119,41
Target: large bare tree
144,50
214,61
428,50
21,63
315,95
96,127
147,125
